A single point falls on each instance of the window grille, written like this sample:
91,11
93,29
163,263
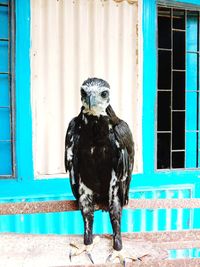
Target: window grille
178,121
7,152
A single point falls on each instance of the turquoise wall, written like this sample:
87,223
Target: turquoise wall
149,184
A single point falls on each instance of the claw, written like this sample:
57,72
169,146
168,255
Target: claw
90,257
79,249
109,258
121,256
70,255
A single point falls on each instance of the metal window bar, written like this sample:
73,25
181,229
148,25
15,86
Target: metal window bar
11,81
168,12
197,119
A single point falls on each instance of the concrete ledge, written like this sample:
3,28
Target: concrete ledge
53,250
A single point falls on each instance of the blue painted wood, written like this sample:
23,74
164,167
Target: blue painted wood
24,153
4,56
4,22
149,84
191,87
4,92
192,2
5,158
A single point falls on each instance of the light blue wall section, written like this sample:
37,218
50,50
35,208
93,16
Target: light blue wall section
149,28
192,96
23,97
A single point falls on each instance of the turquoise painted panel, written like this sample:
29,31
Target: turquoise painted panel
191,71
24,153
192,31
184,253
3,56
5,158
187,222
4,124
191,111
192,2
191,146
4,21
198,148
4,92
149,30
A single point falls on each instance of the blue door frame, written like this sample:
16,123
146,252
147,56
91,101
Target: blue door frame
24,185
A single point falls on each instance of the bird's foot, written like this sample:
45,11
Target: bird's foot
121,256
77,249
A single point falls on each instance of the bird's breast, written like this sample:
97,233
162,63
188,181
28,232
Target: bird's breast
96,154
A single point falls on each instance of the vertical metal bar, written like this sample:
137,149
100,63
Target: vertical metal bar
185,87
197,136
186,23
10,7
172,74
9,81
12,85
156,125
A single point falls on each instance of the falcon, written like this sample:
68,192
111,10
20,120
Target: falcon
99,155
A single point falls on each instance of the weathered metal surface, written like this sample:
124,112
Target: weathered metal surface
70,205
71,41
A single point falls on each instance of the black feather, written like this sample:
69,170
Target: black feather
126,156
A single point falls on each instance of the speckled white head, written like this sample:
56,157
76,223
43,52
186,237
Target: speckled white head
95,96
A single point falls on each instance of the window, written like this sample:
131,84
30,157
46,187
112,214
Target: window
6,89
178,121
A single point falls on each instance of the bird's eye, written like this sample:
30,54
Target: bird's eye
83,93
104,94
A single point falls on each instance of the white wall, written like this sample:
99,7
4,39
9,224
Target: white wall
71,41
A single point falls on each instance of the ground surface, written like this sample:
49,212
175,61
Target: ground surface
53,250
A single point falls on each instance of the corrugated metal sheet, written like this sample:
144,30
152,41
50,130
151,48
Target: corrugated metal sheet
71,41
132,220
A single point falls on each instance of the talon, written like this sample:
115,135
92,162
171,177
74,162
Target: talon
70,255
122,257
109,257
79,249
90,257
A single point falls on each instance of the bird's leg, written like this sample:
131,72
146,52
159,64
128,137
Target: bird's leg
88,218
118,252
87,210
115,217
115,211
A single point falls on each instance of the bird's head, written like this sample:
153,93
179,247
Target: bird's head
95,96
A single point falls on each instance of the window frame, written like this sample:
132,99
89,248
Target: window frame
186,8
11,84
151,176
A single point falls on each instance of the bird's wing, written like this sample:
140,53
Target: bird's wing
125,146
71,144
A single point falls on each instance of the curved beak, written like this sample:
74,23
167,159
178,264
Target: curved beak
91,101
